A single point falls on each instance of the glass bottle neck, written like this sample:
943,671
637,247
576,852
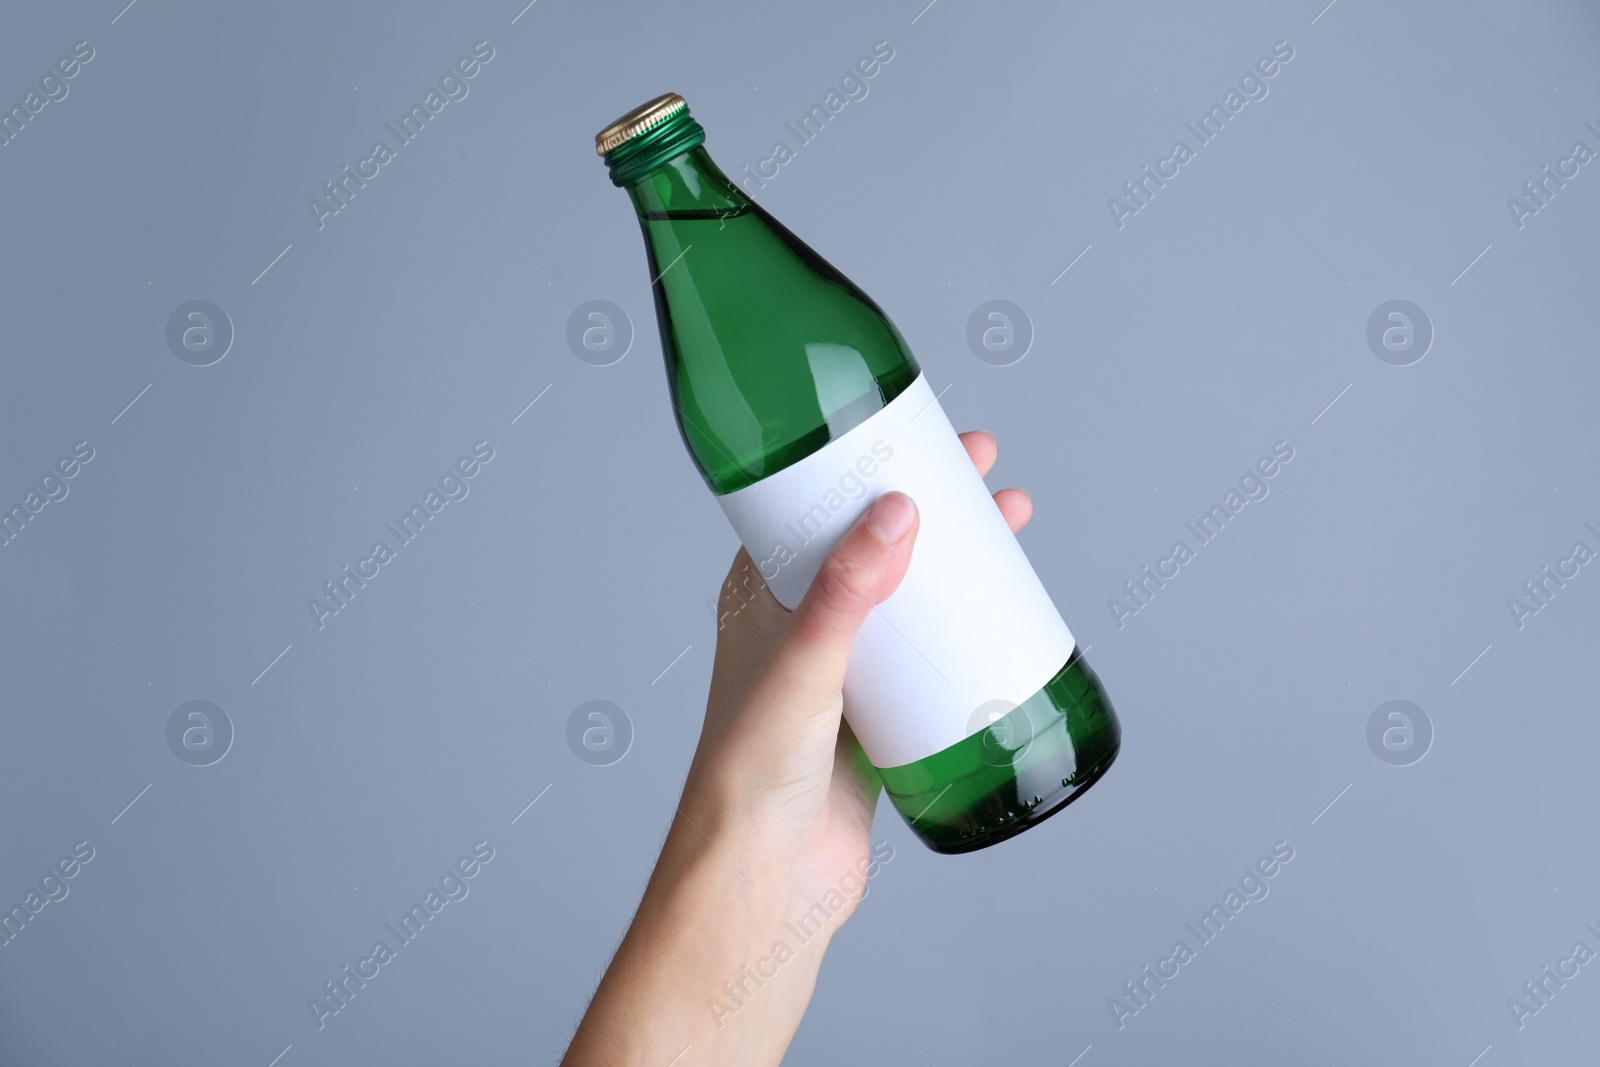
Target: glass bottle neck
689,185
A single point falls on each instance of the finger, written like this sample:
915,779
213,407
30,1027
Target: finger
744,591
743,583
1016,505
748,619
856,782
981,448
864,568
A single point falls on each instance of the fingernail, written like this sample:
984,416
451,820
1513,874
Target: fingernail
890,517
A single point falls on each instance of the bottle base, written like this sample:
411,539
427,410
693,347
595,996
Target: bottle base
1006,828
1017,772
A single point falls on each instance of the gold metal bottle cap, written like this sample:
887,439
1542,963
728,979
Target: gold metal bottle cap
637,121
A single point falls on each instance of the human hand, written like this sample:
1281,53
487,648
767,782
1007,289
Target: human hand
774,746
776,813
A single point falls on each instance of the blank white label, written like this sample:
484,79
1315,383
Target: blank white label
970,625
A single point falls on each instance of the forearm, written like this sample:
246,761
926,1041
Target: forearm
714,968
770,850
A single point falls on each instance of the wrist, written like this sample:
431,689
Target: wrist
743,896
721,958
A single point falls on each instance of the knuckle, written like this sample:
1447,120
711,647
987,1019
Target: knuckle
842,585
743,585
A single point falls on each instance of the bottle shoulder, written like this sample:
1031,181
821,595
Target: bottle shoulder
771,351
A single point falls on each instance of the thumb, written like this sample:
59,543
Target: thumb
862,571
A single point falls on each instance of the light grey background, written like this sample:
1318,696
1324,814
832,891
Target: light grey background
1225,316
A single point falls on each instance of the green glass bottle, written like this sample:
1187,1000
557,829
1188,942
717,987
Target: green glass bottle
800,404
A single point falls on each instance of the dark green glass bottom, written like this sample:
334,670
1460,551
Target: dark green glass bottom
1016,772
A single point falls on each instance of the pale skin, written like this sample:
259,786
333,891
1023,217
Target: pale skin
776,811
